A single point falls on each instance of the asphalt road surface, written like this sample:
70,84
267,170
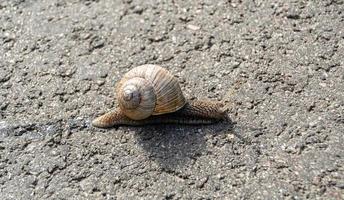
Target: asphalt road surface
277,65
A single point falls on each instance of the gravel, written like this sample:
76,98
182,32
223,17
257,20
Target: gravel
278,67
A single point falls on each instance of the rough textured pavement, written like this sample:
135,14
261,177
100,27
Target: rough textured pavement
278,66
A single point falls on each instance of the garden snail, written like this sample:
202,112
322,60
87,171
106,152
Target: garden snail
149,94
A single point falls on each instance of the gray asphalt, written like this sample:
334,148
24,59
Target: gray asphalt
277,65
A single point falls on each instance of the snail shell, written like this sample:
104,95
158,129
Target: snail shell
149,90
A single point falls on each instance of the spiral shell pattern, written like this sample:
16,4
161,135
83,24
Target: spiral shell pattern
149,90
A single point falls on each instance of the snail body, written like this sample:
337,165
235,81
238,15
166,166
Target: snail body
149,94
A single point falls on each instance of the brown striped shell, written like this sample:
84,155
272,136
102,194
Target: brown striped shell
149,90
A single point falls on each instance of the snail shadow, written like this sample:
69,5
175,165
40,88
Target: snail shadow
174,146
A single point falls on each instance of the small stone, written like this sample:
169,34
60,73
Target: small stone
193,27
100,82
3,126
313,123
201,182
97,42
340,185
138,10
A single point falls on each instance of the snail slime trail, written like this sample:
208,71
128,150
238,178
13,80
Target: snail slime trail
149,94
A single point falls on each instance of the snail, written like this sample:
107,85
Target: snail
149,94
